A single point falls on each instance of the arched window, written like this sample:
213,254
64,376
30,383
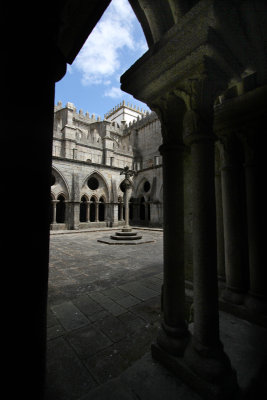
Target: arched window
92,209
83,207
146,186
148,209
93,183
61,209
142,210
102,209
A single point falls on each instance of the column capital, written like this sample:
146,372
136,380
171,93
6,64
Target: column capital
199,94
170,109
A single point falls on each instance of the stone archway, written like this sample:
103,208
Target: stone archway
61,209
93,209
83,209
102,209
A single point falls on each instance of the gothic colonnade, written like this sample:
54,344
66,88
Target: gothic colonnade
241,158
225,197
94,210
226,238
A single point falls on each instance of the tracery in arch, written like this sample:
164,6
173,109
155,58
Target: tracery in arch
95,185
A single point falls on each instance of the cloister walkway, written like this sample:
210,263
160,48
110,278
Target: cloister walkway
103,315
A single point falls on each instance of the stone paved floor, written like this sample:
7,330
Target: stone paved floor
103,309
103,315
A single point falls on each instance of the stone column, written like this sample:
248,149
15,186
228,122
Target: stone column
235,266
88,211
74,214
114,214
174,335
255,199
54,211
205,355
127,186
219,217
97,211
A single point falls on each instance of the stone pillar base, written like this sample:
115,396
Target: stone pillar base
173,342
226,388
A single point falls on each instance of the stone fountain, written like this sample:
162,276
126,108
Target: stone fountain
126,235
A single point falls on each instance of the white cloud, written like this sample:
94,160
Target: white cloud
99,59
114,93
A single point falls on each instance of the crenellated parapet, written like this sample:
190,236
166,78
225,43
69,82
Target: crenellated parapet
146,119
122,105
77,115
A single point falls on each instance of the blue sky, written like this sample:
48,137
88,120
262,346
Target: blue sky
92,82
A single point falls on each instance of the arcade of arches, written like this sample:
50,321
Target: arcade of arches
205,77
95,210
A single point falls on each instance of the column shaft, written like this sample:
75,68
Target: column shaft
96,211
55,211
206,316
219,222
174,335
87,211
126,204
205,354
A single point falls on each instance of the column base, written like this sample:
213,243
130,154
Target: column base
233,296
227,388
173,341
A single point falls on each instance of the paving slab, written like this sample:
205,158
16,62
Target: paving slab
128,301
114,293
145,380
69,315
112,327
106,364
87,306
67,378
88,340
138,290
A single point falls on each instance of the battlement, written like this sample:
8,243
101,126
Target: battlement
146,119
124,105
77,115
86,117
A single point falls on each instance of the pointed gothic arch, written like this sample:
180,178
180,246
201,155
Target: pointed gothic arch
60,184
101,187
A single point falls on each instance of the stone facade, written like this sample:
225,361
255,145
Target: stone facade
85,147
